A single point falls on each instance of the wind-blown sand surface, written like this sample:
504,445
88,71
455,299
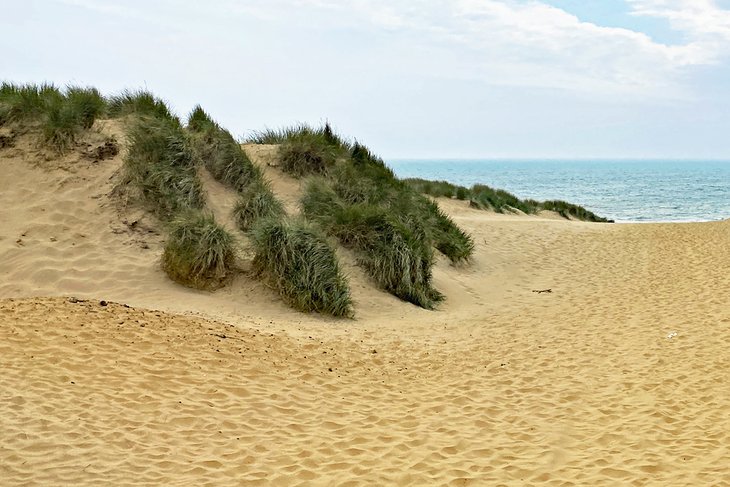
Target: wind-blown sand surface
619,376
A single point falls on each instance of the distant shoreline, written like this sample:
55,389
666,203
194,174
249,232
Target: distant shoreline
625,191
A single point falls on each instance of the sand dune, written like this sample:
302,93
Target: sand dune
616,377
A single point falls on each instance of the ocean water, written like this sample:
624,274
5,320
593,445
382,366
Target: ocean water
625,191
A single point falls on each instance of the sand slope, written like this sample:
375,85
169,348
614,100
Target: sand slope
617,377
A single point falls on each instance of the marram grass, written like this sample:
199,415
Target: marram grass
299,262
393,248
139,103
255,202
61,116
161,164
199,253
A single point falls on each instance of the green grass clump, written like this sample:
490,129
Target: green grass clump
140,102
221,154
60,126
87,104
257,201
370,181
279,136
392,228
568,210
305,150
392,247
446,235
199,121
486,198
60,116
161,164
227,162
199,253
26,103
437,189
296,258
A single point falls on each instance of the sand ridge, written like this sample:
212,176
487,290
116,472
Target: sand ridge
617,377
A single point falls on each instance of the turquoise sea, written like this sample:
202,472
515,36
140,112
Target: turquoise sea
625,190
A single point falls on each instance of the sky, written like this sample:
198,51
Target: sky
410,79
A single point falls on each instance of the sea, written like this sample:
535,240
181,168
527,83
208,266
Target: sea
623,190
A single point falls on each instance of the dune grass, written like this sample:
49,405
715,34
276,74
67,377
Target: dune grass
569,210
279,136
60,126
368,180
392,228
87,104
228,163
26,103
297,259
61,116
487,198
199,253
257,201
305,150
140,103
221,154
393,248
199,121
160,162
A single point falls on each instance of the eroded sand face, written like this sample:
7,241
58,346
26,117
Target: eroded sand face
618,376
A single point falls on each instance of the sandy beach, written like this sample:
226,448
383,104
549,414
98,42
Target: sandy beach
617,376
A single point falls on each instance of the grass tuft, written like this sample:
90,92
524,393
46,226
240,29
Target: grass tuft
87,104
199,253
222,155
199,121
304,150
392,247
26,103
139,102
257,201
160,163
486,198
296,258
60,126
568,210
60,116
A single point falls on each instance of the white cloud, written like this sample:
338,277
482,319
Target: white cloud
700,19
509,42
528,42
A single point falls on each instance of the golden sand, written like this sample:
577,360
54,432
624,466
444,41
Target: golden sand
618,376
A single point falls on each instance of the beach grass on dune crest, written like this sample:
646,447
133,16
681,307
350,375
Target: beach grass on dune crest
217,150
198,253
140,103
392,228
220,153
26,103
487,198
87,104
161,164
299,262
61,116
568,210
367,179
305,150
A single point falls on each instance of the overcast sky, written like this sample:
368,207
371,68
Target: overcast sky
416,78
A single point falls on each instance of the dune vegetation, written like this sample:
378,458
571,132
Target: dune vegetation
350,197
59,116
296,258
486,198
